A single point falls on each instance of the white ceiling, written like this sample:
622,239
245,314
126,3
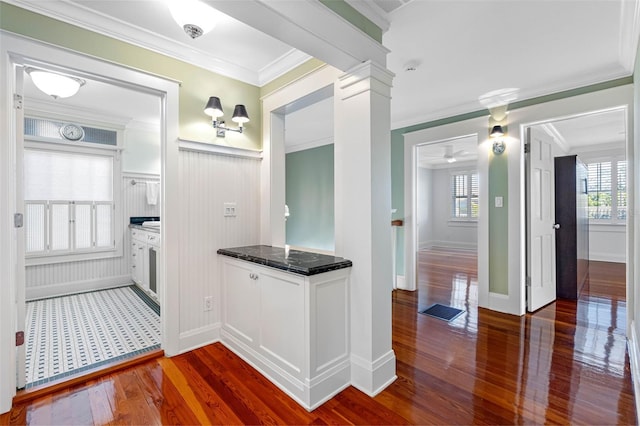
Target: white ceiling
460,49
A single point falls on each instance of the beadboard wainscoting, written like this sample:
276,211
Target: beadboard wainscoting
208,180
58,279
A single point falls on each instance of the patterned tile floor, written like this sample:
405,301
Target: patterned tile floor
66,335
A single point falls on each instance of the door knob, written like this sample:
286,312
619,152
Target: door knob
556,226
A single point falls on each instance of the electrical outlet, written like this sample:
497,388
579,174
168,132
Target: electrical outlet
230,209
208,303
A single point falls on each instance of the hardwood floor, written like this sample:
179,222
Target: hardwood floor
565,364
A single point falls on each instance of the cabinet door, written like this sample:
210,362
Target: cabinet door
142,257
282,320
240,296
136,263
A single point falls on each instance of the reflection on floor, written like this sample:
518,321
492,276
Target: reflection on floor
565,363
70,334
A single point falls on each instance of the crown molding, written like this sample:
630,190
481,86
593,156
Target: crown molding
83,17
629,33
372,12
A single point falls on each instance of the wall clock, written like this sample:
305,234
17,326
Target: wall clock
72,132
498,147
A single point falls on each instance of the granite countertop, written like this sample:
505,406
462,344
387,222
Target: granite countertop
298,262
155,229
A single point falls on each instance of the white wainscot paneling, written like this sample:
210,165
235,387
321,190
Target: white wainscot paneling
607,243
207,181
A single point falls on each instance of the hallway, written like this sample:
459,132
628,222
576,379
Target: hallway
565,364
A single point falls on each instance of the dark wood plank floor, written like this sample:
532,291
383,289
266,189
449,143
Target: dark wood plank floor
565,364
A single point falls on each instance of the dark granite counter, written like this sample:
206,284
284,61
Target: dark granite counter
298,262
155,229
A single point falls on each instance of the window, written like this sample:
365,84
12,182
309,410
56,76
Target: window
464,196
607,188
70,207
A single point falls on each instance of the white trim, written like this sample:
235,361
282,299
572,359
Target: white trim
231,151
72,287
50,110
17,50
634,363
456,245
401,282
373,12
139,175
281,66
199,337
373,377
308,145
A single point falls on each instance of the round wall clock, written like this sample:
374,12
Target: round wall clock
498,147
72,132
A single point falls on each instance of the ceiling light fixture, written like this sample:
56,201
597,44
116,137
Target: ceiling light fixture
214,109
195,17
54,84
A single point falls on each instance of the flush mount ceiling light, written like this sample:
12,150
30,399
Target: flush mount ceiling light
54,84
195,17
214,109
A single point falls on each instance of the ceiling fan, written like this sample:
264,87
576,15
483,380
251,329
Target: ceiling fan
451,156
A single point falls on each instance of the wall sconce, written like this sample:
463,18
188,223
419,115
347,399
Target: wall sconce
54,84
498,146
496,131
214,109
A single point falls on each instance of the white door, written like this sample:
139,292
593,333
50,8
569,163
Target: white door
20,242
541,253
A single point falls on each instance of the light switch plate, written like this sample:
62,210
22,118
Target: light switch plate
229,209
498,202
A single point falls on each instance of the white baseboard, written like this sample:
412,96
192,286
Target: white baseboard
308,393
459,245
63,289
401,282
373,377
199,337
608,257
634,361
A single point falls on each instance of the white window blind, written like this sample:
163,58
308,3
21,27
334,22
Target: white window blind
464,196
69,202
607,191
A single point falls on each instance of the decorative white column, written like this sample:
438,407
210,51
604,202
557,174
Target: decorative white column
363,217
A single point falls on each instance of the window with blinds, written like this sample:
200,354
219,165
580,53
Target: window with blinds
464,196
607,191
69,202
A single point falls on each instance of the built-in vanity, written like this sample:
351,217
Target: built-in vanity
286,312
145,245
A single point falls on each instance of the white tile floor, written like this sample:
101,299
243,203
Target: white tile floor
65,335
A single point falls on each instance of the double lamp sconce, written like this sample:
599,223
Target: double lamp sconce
214,109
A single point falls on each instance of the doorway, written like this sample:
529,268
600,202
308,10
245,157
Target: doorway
166,94
447,208
598,140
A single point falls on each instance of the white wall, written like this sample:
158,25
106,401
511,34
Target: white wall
607,242
72,277
207,181
425,207
141,149
435,227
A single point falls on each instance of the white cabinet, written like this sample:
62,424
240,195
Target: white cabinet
144,245
292,328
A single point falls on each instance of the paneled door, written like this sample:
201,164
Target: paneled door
541,239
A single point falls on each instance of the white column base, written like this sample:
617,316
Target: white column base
373,377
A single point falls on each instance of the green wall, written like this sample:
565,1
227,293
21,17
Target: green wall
310,197
345,10
397,150
197,84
